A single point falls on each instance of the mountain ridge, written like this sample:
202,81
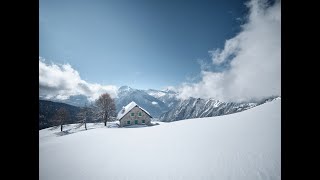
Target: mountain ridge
165,105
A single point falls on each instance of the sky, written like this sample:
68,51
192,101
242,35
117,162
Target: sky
200,48
144,44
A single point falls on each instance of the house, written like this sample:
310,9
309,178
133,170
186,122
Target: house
132,114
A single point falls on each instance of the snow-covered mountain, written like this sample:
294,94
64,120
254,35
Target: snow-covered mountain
156,93
150,103
168,97
240,146
154,101
166,106
197,108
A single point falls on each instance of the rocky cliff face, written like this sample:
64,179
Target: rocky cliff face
197,108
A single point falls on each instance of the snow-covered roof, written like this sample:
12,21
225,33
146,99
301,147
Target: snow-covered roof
144,111
128,108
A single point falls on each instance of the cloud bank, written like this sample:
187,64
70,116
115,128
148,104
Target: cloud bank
62,81
253,57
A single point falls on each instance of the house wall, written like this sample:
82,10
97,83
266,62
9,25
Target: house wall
128,117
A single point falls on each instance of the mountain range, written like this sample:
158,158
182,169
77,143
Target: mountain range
198,108
164,105
152,104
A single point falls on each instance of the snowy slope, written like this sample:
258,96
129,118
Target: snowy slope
240,146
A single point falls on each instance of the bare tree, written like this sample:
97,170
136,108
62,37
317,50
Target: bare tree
84,116
105,108
61,117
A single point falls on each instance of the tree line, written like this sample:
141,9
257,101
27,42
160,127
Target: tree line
102,110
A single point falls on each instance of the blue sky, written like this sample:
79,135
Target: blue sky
141,43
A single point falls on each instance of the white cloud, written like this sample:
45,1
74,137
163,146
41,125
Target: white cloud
254,56
62,81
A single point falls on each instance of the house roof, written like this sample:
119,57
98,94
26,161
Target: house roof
128,108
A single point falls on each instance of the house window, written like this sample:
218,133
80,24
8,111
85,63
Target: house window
136,122
140,114
143,121
128,122
132,114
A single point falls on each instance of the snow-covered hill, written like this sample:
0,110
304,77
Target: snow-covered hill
240,146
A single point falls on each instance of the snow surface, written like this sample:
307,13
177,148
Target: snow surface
240,146
157,94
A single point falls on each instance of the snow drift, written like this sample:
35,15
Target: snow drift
245,145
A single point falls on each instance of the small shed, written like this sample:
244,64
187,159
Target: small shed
132,114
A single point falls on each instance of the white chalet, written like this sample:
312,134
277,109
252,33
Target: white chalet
132,114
